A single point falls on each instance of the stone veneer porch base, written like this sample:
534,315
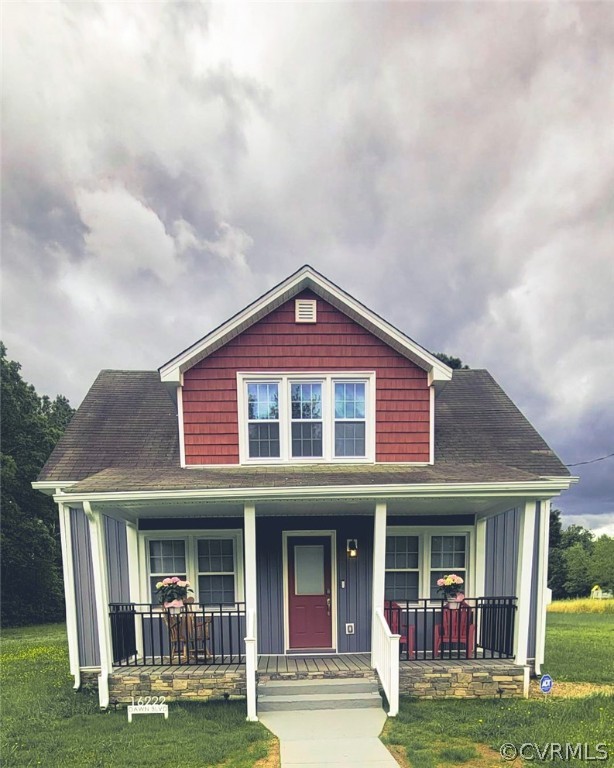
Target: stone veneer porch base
475,679
197,683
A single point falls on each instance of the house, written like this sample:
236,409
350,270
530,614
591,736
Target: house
313,472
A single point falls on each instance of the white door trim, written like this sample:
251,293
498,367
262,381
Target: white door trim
285,535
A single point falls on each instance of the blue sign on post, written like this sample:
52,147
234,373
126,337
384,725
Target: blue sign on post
546,684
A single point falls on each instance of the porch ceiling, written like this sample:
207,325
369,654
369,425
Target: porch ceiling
132,511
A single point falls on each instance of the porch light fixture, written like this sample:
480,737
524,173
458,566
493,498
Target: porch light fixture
352,548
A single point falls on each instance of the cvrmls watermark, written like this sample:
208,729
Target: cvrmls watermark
549,752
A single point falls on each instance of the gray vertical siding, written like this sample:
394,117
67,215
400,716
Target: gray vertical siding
117,559
118,584
534,589
501,554
87,625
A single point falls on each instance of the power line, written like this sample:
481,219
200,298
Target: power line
591,461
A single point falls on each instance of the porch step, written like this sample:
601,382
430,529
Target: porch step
350,693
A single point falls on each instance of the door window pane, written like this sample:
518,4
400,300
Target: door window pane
309,569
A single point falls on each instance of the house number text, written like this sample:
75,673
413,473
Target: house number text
148,705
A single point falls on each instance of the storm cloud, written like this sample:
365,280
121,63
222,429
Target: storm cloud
450,165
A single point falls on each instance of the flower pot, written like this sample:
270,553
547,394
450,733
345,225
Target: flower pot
174,606
453,603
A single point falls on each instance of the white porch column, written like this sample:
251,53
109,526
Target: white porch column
134,581
480,558
69,593
542,584
379,567
524,574
99,566
251,609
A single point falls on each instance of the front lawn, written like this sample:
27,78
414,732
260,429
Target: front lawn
45,723
433,734
580,647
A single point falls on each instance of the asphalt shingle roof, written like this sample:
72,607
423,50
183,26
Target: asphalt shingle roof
125,437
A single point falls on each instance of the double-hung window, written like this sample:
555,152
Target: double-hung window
326,417
210,560
417,557
448,555
306,418
263,419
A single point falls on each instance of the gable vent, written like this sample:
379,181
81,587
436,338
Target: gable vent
305,310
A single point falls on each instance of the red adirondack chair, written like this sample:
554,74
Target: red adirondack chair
456,627
392,614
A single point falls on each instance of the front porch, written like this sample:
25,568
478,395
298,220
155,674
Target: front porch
430,679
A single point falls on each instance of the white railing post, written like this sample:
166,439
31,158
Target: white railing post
385,660
251,659
132,545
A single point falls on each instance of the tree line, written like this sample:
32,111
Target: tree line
578,560
31,587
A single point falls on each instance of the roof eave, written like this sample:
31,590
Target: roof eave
542,488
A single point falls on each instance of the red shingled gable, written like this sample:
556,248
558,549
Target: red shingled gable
277,343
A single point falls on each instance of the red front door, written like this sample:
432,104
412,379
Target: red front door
309,592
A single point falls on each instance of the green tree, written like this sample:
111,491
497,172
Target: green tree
452,362
577,563
31,566
576,534
557,568
601,568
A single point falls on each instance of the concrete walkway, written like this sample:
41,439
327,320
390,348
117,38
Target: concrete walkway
330,738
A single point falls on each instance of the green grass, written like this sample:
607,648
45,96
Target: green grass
45,723
580,647
446,732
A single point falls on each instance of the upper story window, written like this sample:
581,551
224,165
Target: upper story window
326,417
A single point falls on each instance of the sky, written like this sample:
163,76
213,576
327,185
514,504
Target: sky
449,165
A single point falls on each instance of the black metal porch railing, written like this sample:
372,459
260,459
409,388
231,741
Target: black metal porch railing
478,628
151,635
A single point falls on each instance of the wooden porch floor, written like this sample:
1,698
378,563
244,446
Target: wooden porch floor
346,665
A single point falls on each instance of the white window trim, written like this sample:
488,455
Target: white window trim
190,537
328,415
425,533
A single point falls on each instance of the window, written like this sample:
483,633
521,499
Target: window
216,571
402,568
326,417
447,556
306,417
416,558
263,419
350,420
166,558
212,561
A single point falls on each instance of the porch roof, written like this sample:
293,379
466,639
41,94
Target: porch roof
219,478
